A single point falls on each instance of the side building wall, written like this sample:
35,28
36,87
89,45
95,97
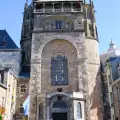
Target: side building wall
3,92
11,95
116,98
11,59
22,93
94,80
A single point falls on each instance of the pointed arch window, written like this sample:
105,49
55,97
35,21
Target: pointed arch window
59,70
40,111
79,111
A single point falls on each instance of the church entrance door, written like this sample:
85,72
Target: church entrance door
59,116
60,110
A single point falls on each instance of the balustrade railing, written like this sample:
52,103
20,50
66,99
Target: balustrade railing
39,10
57,10
76,9
66,9
48,10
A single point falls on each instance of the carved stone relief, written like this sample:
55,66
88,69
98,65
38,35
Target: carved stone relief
78,22
38,22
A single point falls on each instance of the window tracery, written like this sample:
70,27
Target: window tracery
59,70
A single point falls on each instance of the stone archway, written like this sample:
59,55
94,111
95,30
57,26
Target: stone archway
60,110
59,106
54,49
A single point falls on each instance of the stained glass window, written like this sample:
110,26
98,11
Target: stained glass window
59,70
79,111
58,24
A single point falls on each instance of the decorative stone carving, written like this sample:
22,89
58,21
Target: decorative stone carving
38,43
39,22
26,53
78,23
91,28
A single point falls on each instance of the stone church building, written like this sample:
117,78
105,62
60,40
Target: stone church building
60,61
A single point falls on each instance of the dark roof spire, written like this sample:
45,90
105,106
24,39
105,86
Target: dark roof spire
26,4
112,45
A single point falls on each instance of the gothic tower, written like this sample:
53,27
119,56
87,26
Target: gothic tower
64,76
26,38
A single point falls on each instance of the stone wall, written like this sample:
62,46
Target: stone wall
52,49
94,80
72,44
21,96
94,86
86,71
116,99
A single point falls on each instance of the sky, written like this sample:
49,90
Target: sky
107,18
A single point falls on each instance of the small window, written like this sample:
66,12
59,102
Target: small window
23,88
117,92
118,70
21,108
58,24
111,96
39,6
58,5
79,111
2,77
2,101
41,111
3,44
76,6
110,80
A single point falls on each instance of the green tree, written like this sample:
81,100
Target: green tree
0,117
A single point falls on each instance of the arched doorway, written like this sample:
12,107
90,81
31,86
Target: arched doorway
60,110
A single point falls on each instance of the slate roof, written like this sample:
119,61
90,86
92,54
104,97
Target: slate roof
114,61
25,72
6,42
2,66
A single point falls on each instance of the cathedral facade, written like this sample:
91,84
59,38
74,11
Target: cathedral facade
60,55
